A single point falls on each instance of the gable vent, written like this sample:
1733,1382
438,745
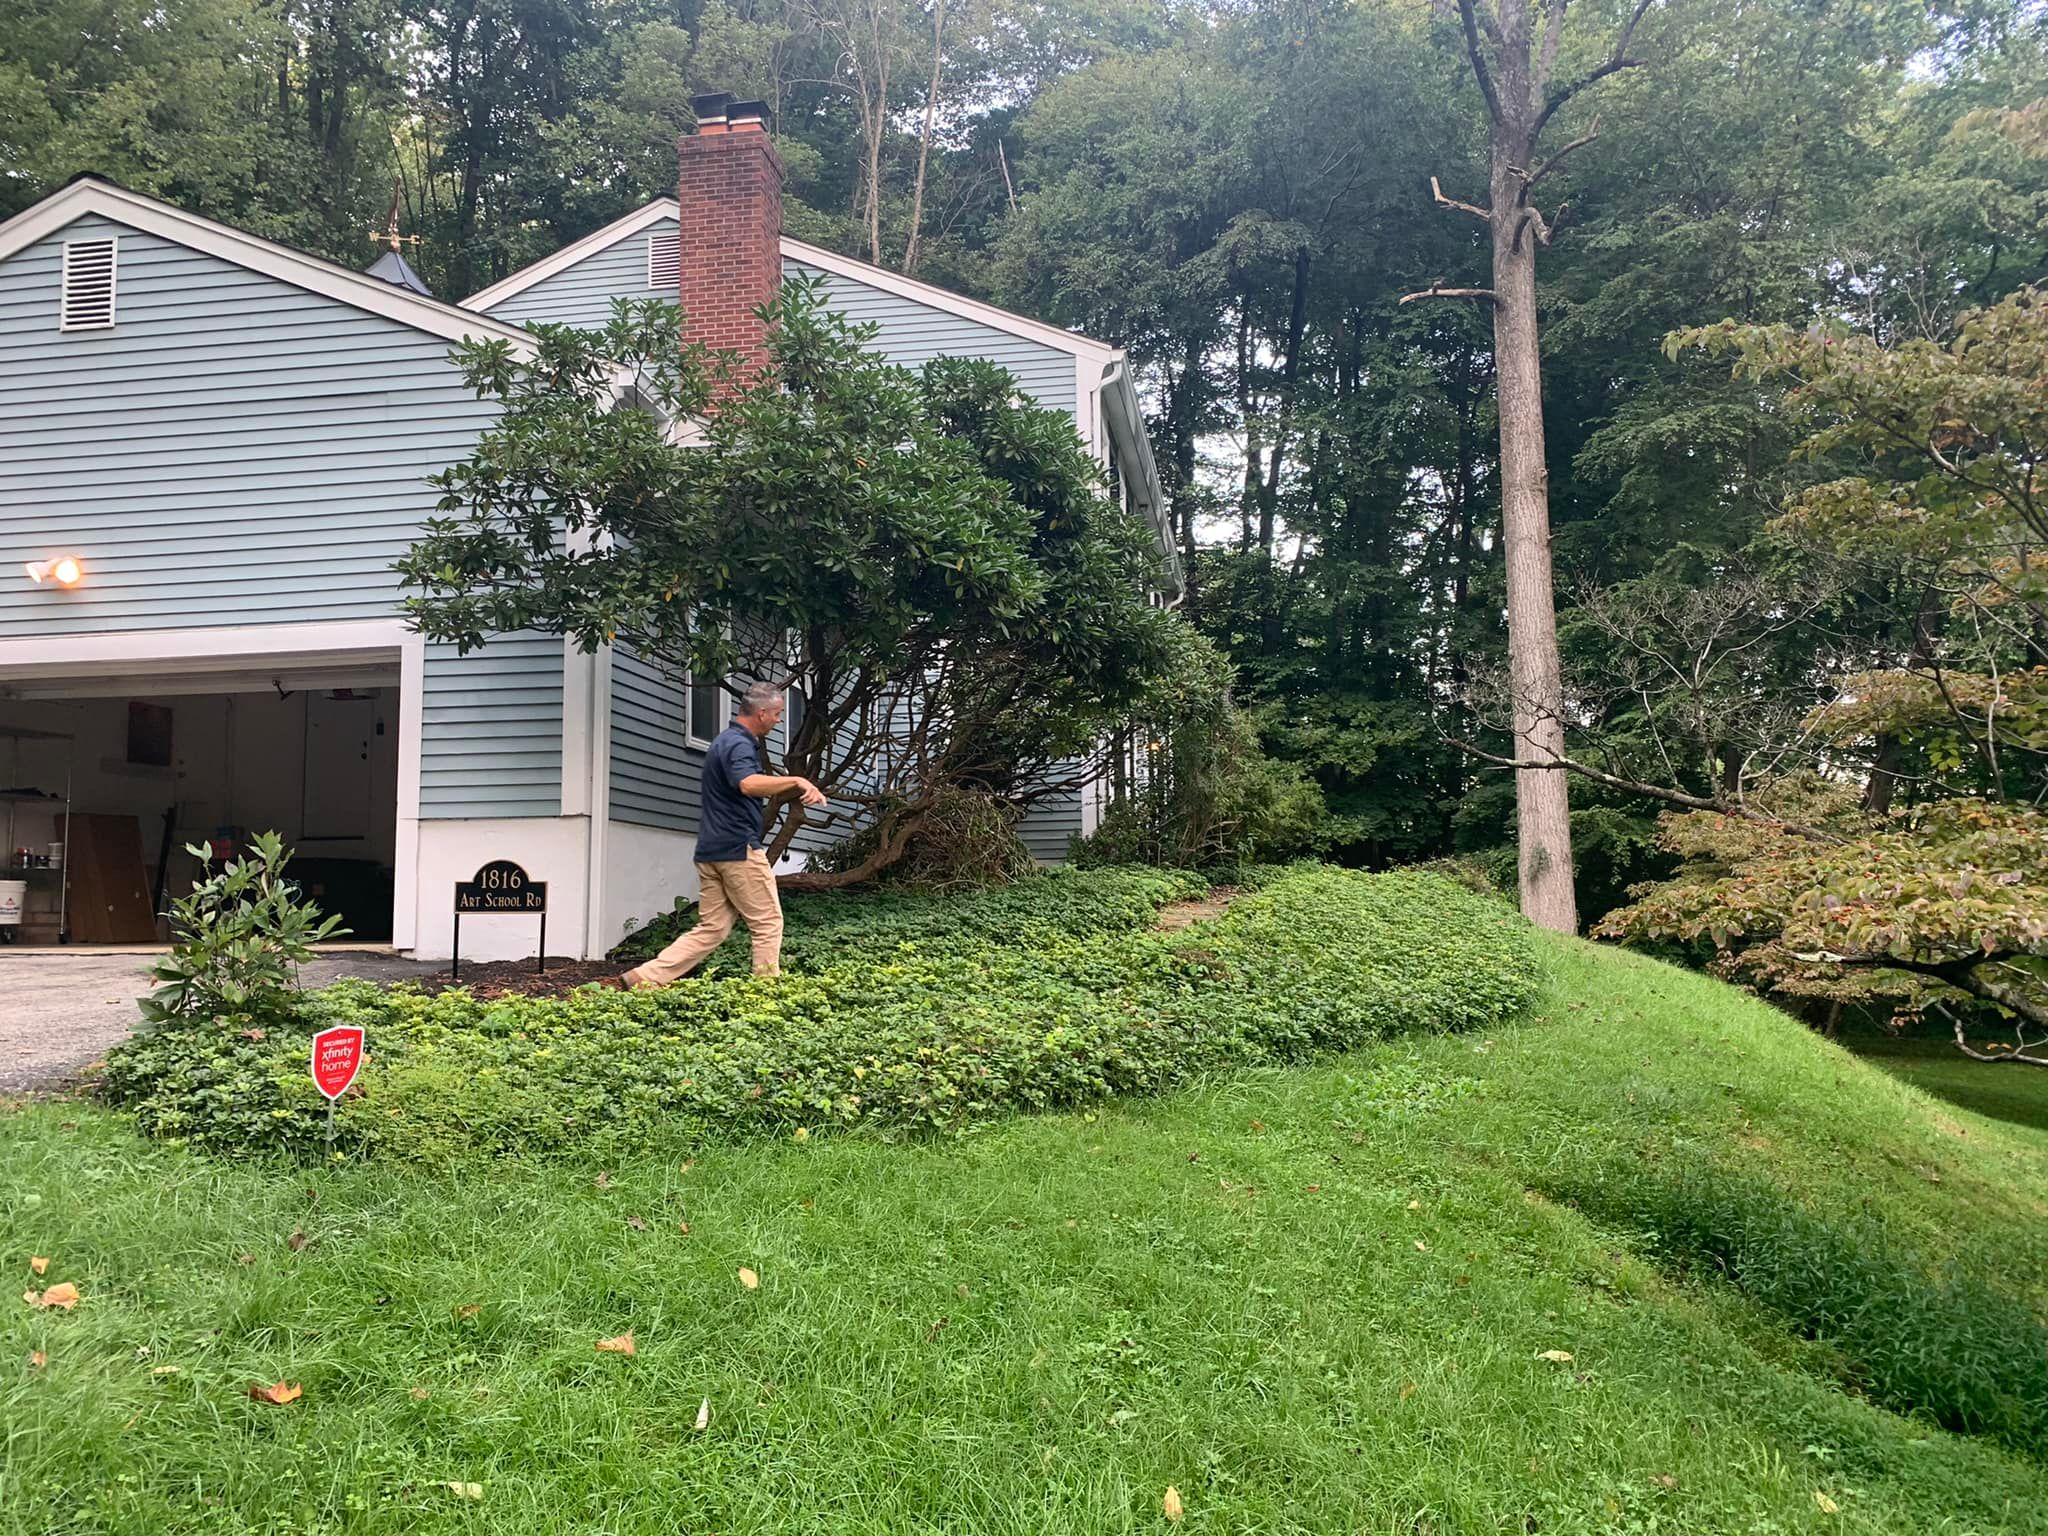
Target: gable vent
88,302
665,260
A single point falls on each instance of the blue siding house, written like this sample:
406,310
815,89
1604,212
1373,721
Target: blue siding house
232,440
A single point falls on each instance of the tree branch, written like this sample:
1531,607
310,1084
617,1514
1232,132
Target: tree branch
1677,797
1530,178
1443,201
1616,61
1467,14
1434,292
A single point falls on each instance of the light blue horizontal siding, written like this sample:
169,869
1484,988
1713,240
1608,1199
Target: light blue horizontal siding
1050,824
913,334
240,451
582,295
654,772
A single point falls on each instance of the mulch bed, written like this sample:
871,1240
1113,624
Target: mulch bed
516,978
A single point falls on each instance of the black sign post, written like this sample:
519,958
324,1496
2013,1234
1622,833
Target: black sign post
500,888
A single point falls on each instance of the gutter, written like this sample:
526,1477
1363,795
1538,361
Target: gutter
1126,421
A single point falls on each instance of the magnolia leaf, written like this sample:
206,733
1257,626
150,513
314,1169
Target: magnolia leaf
296,1241
279,1393
166,1370
622,1345
38,1265
1556,1356
37,1359
63,1294
704,1415
467,1310
465,1490
1171,1506
749,1279
1824,1504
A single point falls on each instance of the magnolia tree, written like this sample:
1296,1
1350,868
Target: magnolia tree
928,561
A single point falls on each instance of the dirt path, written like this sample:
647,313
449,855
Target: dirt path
1185,914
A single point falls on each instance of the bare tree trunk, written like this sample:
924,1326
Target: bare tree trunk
924,141
1542,810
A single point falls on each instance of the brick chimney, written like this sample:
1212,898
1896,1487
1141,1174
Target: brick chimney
729,188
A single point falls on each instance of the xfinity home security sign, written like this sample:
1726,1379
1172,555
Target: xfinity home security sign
337,1058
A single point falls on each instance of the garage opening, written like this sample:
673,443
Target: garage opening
104,783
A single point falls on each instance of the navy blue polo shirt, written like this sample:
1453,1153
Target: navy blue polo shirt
729,822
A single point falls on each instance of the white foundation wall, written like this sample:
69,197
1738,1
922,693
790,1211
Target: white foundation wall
645,870
554,849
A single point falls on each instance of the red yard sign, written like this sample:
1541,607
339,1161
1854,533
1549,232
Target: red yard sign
337,1057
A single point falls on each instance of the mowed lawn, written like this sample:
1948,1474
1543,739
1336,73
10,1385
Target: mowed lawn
2002,1090
1324,1299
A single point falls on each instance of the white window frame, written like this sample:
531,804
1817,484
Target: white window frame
690,736
113,244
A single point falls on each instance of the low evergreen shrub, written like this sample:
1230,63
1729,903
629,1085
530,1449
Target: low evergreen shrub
901,1015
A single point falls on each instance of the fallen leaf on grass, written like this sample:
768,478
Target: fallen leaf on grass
165,1370
63,1294
1407,1390
296,1241
749,1279
1311,1189
253,1034
245,1258
1665,1480
281,1393
467,1310
622,1345
465,1490
1172,1506
1824,1504
638,1224
37,1360
1414,1205
1421,1246
38,1265
420,1394
683,1227
1556,1356
603,1181
704,1415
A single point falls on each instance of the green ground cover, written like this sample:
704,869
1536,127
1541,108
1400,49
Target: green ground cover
910,1016
1314,1297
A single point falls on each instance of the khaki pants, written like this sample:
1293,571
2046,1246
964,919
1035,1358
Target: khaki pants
740,887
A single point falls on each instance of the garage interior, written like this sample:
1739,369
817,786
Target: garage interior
104,782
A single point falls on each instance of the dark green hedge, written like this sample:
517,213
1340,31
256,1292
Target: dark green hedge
1053,992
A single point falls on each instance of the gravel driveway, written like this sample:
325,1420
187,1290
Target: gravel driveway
60,1010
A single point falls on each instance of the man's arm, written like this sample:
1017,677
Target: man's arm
762,785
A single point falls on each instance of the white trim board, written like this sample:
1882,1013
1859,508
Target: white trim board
812,256
89,195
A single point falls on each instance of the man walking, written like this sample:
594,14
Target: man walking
733,877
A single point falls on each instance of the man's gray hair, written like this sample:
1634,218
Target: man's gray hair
759,696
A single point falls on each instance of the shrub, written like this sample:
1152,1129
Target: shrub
965,840
239,937
899,1015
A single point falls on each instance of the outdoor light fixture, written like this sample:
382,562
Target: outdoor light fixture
64,570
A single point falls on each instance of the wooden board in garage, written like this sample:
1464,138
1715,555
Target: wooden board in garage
109,885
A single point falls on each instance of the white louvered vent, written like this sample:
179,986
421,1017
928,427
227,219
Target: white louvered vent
665,260
88,302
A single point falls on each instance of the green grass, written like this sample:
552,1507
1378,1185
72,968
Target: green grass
1997,1089
1313,1299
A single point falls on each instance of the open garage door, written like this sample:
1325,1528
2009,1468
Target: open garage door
110,771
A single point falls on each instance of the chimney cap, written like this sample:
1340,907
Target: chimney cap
747,112
710,107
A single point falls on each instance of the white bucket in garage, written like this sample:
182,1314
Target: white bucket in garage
13,894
